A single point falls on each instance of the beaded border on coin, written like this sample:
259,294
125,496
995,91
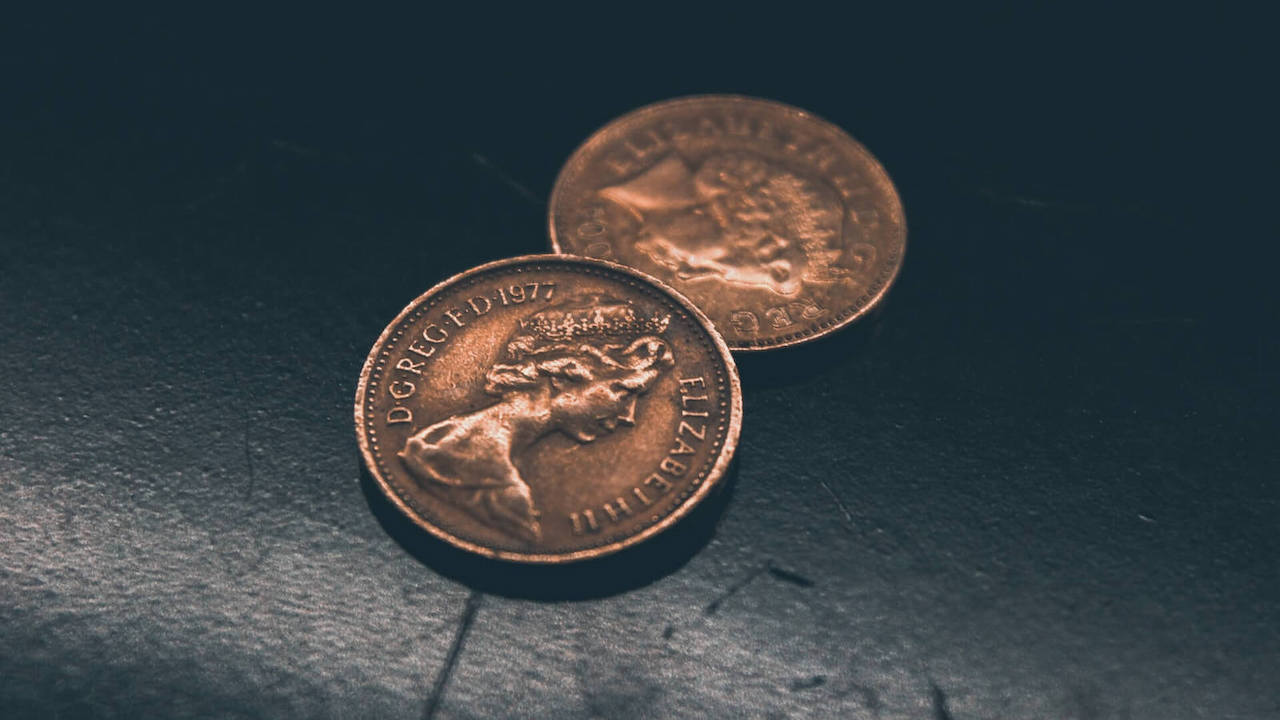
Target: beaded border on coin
864,304
701,485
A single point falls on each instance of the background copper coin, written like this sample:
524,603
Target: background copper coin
548,409
776,223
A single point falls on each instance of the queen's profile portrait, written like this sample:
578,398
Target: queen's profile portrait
577,368
738,217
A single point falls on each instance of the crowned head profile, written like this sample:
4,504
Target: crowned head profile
591,355
578,368
739,217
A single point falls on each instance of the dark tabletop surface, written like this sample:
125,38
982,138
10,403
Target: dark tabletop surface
1041,483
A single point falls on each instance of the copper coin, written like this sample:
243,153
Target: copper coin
548,408
776,223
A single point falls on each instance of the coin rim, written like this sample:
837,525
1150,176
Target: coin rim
732,99
714,475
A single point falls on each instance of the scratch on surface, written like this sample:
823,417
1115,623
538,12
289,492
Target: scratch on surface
506,179
1127,321
252,480
248,459
732,590
451,660
788,576
870,698
940,710
314,154
1025,201
256,530
839,503
808,683
777,572
294,148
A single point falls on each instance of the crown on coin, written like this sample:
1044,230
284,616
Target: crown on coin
611,321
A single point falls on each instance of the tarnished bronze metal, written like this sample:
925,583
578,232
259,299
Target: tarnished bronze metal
548,408
776,223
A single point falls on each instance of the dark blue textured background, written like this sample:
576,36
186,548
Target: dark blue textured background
1041,484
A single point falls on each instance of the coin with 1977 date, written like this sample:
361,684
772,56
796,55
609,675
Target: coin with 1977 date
547,409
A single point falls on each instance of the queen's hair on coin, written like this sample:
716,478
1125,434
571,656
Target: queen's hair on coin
778,224
547,409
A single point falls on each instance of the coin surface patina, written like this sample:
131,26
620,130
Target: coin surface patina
548,409
776,223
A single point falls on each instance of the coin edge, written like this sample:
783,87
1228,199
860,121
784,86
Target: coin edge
715,475
660,105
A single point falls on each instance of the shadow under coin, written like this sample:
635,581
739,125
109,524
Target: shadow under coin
783,366
628,569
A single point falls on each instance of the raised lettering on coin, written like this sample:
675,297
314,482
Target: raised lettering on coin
565,409
750,208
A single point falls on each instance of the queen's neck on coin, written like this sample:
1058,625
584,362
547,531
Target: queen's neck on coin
526,416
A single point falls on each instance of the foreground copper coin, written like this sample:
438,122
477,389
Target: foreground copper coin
548,409
780,226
